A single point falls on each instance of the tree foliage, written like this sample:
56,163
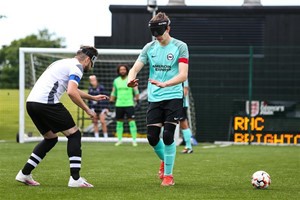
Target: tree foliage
9,55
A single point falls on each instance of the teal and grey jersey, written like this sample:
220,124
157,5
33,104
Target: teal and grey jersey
186,101
164,65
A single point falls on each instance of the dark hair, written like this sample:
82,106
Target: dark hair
160,17
88,50
122,65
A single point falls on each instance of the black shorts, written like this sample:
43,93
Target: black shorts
164,111
121,112
99,111
50,117
184,114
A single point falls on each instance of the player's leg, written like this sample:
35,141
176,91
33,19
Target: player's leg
154,119
173,112
132,125
38,114
66,125
95,125
40,151
37,155
170,152
103,122
153,132
120,114
186,132
74,153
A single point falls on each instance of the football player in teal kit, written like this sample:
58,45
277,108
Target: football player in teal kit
168,63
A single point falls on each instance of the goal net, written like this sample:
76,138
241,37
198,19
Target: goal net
34,61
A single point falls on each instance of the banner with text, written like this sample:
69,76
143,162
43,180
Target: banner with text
276,122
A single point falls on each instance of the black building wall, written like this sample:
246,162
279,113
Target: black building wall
219,40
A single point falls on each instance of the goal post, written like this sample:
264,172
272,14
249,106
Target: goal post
34,61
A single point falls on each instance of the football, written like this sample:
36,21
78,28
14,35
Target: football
261,180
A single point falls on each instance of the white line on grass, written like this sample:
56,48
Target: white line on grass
211,146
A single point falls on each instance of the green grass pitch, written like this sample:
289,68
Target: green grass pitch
127,172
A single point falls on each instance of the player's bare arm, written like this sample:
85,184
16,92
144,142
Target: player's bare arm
86,96
112,97
132,81
181,77
137,95
74,95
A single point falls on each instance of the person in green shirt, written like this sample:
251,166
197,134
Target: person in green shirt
124,97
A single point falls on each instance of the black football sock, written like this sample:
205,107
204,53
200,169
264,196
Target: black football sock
39,152
74,153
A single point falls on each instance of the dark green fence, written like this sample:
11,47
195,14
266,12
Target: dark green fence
220,75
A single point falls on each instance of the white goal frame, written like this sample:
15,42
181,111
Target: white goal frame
22,52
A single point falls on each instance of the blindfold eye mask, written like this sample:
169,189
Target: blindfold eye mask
91,55
158,28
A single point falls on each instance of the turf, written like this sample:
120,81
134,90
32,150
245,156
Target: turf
9,114
126,172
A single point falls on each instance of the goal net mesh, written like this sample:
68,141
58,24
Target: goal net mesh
35,63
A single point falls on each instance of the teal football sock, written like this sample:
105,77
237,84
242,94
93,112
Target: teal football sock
159,149
133,130
187,134
170,154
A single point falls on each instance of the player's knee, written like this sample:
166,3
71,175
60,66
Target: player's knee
120,123
184,124
153,135
70,131
95,120
168,134
132,123
50,135
102,118
76,134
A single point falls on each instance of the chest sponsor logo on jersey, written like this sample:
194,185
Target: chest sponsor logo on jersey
162,67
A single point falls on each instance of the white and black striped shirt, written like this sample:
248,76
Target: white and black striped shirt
54,81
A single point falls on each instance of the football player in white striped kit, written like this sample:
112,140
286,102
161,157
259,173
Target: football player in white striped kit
51,117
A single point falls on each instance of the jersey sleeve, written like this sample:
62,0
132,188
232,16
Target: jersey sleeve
75,74
143,57
183,53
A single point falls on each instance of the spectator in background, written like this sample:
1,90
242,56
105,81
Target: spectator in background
99,107
124,97
184,125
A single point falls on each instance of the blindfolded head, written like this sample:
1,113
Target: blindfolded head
91,52
159,28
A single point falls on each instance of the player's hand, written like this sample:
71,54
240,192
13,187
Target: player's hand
91,113
133,83
100,97
157,83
